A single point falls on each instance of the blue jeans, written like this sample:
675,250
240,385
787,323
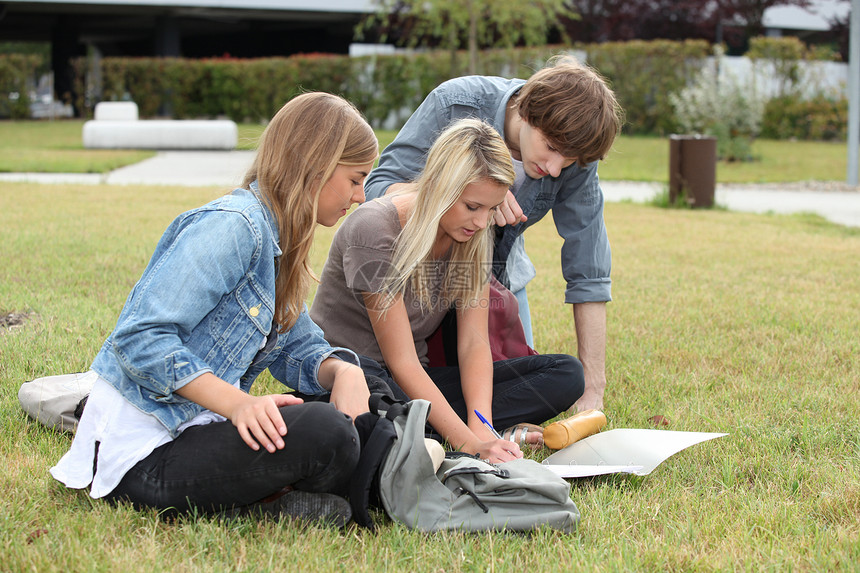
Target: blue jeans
211,468
525,315
530,389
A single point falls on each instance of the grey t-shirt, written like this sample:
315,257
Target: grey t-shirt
358,262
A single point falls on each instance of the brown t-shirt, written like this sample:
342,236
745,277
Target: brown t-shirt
358,262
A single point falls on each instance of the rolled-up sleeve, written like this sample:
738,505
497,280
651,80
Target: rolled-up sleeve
303,351
586,259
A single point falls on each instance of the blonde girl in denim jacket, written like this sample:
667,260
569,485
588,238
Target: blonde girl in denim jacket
170,423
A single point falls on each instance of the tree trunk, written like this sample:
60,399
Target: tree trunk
473,38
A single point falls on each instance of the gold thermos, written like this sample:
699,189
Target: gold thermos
561,434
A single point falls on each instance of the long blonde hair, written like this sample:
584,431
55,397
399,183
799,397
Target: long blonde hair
468,151
298,152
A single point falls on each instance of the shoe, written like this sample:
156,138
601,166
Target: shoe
518,433
324,508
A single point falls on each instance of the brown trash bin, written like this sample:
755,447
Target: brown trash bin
693,169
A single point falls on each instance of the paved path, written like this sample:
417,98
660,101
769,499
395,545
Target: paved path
187,168
841,207
226,169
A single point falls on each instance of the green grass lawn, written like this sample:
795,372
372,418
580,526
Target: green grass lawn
721,322
647,159
56,147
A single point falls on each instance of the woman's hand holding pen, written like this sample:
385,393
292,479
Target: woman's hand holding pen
497,451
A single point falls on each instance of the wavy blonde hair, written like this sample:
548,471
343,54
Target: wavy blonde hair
468,151
299,150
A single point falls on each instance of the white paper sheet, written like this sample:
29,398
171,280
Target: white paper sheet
588,471
623,448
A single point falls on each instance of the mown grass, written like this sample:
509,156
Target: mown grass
724,322
647,159
56,147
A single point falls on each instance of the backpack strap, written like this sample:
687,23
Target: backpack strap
384,405
377,435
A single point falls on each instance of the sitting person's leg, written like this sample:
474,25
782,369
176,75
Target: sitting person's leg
530,389
211,468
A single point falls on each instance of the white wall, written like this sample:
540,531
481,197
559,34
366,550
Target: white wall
815,77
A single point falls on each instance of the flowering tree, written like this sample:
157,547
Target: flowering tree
723,108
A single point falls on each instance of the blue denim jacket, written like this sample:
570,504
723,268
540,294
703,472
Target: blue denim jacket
574,197
206,303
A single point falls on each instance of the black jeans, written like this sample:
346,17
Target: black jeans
530,389
211,468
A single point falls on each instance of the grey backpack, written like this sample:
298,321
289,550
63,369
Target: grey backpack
57,401
396,473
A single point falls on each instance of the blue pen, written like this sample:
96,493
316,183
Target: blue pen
486,423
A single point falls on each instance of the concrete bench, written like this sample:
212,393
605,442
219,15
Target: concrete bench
116,127
161,134
115,111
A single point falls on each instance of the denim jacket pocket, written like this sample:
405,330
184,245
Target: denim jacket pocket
252,303
238,328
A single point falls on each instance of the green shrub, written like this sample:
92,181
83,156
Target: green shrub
821,118
794,113
784,55
254,89
17,78
643,74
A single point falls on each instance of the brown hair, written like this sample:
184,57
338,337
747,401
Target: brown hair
575,109
298,152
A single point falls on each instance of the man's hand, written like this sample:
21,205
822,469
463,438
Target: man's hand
509,212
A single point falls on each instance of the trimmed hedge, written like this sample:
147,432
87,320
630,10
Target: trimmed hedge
387,88
643,74
383,87
820,119
254,89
